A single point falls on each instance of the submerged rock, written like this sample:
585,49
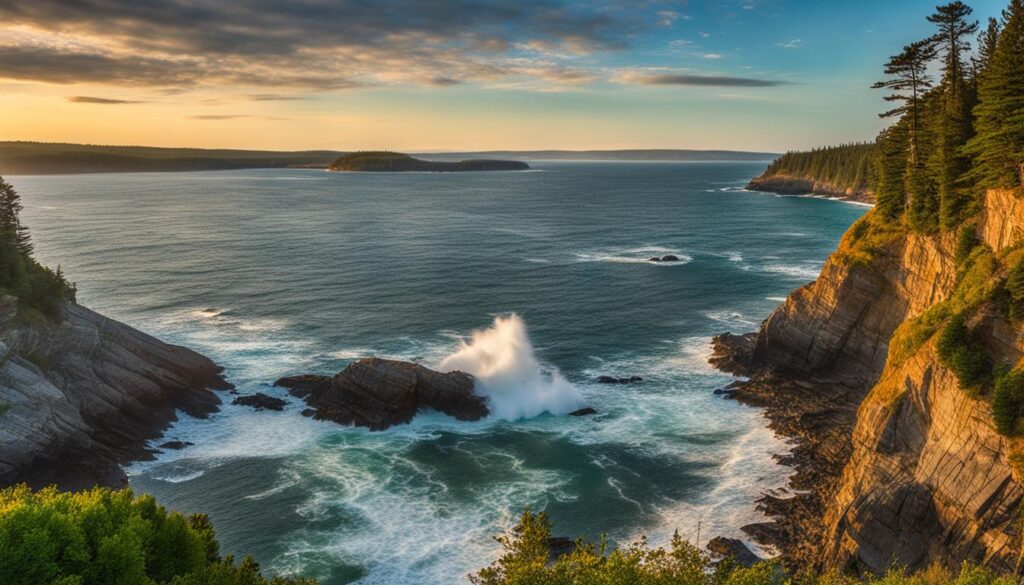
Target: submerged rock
176,445
261,401
587,411
378,393
614,380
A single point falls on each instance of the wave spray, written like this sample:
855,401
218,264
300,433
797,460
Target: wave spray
507,372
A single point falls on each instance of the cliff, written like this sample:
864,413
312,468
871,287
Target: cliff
80,397
896,462
790,185
394,162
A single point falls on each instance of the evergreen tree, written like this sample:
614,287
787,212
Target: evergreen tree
890,168
909,80
998,148
953,126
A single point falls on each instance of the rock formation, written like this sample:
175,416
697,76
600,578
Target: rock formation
895,462
81,397
378,393
787,185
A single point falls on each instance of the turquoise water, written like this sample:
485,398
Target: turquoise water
280,272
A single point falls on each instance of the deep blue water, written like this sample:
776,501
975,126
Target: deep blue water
279,272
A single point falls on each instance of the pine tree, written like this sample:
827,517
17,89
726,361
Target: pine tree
953,125
998,148
909,81
890,168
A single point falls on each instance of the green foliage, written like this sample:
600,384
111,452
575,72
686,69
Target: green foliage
868,238
36,287
890,171
526,561
1008,402
109,537
967,240
964,355
1015,291
845,167
997,149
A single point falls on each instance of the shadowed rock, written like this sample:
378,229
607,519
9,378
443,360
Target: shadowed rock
378,393
260,401
731,548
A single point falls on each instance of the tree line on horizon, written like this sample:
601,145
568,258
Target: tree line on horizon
953,137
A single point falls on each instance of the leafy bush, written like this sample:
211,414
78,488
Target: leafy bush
966,242
110,537
964,355
1015,290
1008,402
526,561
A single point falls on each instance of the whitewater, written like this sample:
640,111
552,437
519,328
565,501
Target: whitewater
535,283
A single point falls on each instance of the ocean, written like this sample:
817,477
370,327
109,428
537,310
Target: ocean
537,281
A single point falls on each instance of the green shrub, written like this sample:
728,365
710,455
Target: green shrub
526,561
966,242
964,355
111,537
1015,290
1008,402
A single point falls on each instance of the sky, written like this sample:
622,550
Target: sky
434,75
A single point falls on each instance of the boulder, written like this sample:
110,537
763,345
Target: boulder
260,401
732,548
176,445
587,411
670,258
379,393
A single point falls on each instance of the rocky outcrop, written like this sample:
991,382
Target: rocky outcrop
788,185
81,397
378,393
894,462
929,479
261,401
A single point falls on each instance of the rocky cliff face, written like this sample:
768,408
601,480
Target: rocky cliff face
81,397
918,474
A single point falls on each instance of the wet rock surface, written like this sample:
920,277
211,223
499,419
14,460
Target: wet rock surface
378,393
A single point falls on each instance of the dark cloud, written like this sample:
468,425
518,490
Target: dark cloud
315,44
62,66
703,80
85,99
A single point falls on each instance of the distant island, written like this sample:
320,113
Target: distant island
390,162
52,158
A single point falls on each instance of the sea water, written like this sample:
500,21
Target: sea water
537,282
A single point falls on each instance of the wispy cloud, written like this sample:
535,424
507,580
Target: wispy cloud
793,44
86,99
694,80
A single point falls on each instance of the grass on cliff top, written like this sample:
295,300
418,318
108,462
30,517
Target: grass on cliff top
526,561
869,238
977,281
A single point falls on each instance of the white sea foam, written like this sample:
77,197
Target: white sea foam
502,360
637,255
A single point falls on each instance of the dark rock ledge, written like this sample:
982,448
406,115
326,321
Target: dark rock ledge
378,393
83,397
817,416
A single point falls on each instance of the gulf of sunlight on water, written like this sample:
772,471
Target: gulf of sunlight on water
277,272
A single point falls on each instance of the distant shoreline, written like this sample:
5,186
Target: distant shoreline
37,158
